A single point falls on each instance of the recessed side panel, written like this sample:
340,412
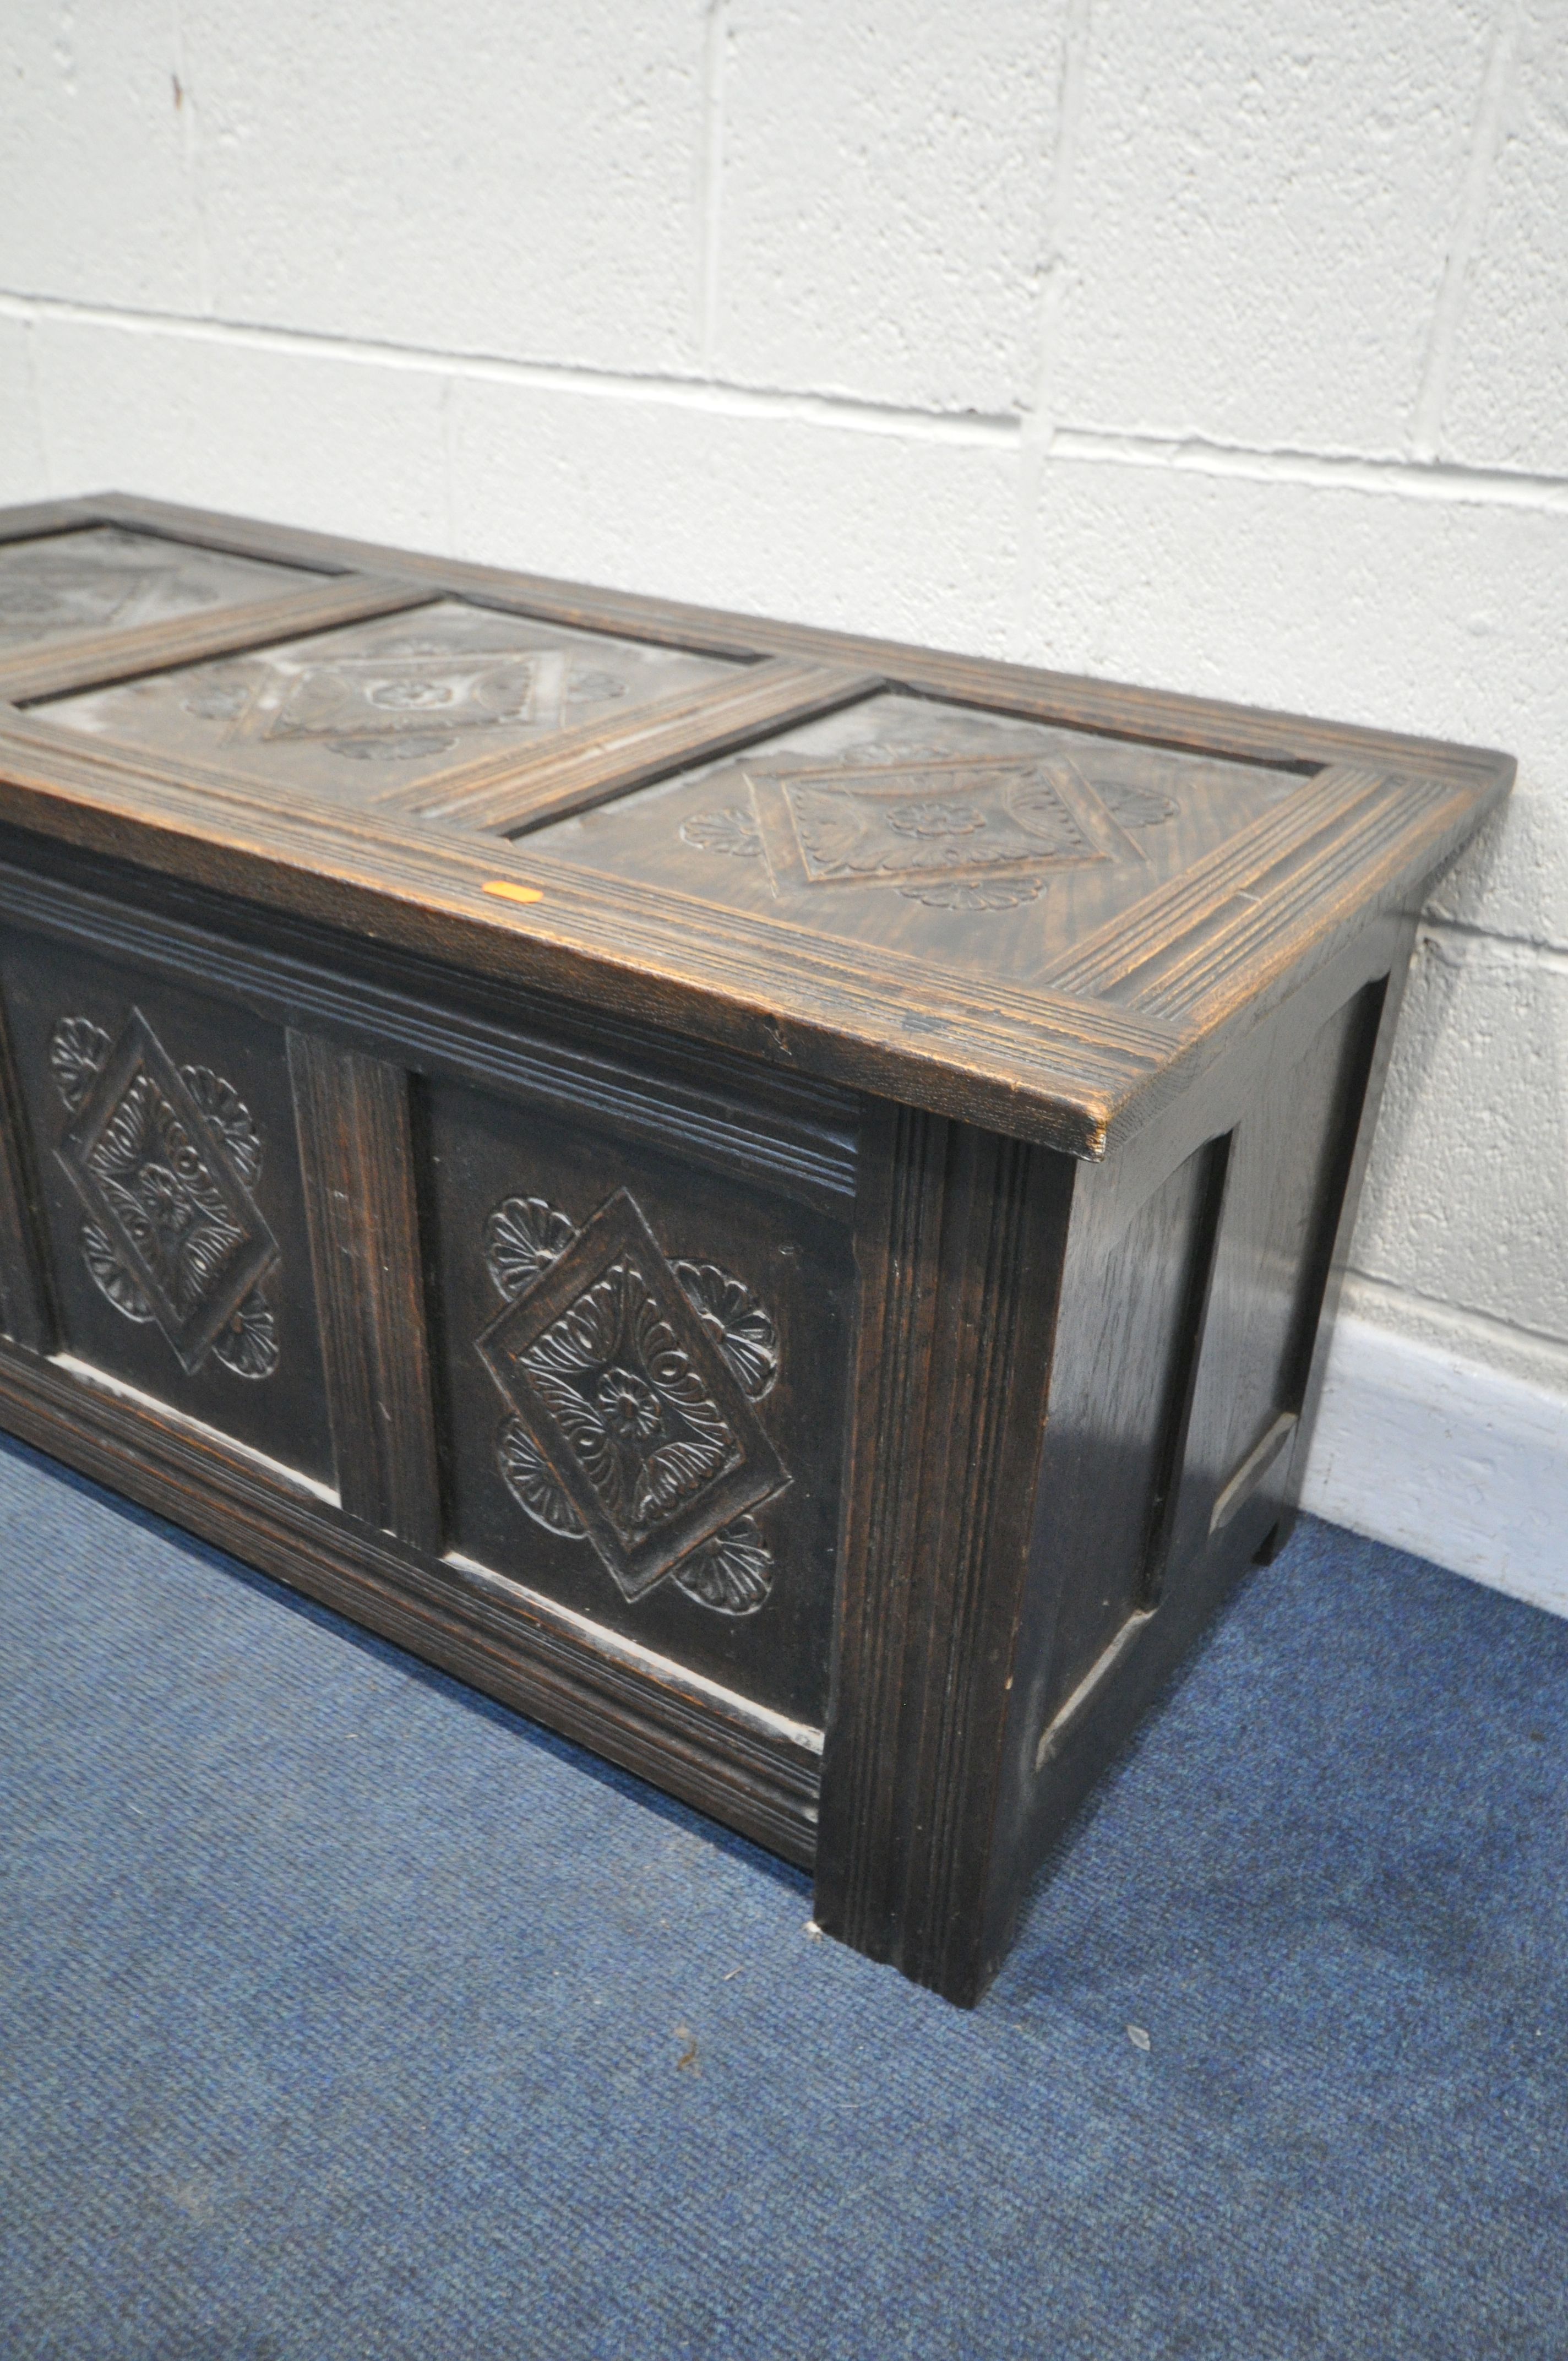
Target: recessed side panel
160,1147
1289,1161
1183,1362
643,1369
1121,1397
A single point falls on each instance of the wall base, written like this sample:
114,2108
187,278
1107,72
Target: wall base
1421,1445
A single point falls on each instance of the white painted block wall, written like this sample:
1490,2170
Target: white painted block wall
1216,343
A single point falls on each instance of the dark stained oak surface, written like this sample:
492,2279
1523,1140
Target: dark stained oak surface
770,1198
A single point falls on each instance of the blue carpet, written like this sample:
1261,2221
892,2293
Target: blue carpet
346,2016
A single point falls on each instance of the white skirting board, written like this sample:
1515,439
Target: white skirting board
1446,1457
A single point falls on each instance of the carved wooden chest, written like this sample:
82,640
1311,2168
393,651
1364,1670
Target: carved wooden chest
767,1198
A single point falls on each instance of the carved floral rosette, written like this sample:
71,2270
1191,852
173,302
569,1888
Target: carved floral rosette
619,1411
166,1197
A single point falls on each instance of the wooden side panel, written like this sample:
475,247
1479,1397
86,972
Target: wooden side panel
1268,1205
1383,1011
356,1157
1122,1395
1290,1163
960,1248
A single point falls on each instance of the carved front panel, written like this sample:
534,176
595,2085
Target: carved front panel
623,1397
161,1160
163,1153
643,1380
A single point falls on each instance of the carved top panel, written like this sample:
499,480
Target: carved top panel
1003,893
975,840
360,713
104,579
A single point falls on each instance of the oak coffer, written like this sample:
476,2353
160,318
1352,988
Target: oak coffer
768,1198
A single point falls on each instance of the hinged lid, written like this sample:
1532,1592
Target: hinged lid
1006,894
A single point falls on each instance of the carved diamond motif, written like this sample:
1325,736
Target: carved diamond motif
381,707
163,1160
631,1381
957,831
409,699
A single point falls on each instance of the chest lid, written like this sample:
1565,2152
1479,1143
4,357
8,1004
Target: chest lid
1004,894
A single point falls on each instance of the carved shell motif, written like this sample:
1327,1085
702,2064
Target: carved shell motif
76,1051
730,831
732,1572
230,1118
522,1237
248,1347
109,1273
152,1187
531,1485
742,1331
1135,807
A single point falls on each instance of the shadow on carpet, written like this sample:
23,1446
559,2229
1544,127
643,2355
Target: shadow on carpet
347,2016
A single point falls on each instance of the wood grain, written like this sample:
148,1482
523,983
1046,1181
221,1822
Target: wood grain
26,1311
1101,1176
1248,1218
898,1249
1046,1066
92,660
715,1113
1207,725
961,1250
42,518
508,793
1079,1061
357,1157
1228,921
